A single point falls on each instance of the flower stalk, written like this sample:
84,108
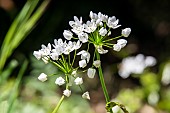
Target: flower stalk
102,81
58,105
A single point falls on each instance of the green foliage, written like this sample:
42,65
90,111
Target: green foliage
20,28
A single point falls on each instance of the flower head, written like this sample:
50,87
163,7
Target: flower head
67,34
60,81
82,63
117,47
67,93
102,31
86,95
126,32
97,63
42,77
85,55
91,72
78,81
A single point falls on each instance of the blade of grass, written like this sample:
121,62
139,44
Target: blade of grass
3,106
15,90
5,74
28,26
20,29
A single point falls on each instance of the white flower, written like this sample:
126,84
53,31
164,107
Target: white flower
93,16
42,77
97,63
90,26
153,98
122,42
68,48
86,95
46,50
76,22
78,81
54,55
116,109
60,81
102,31
134,65
150,61
38,54
67,34
117,47
85,55
101,50
83,37
91,72
82,63
59,46
77,45
74,73
102,17
67,92
112,22
126,32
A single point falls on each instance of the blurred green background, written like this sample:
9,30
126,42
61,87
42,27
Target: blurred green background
150,24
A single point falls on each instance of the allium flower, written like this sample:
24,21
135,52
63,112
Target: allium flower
102,31
116,109
60,81
38,54
113,22
78,81
150,61
90,26
83,37
93,16
76,22
42,77
82,63
74,73
91,72
76,45
117,47
67,92
101,50
132,65
86,95
126,32
97,63
67,34
85,55
46,50
122,42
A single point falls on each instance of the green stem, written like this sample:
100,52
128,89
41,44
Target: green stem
112,38
102,81
58,105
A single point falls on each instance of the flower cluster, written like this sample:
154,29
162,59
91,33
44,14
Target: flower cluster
135,65
97,32
59,47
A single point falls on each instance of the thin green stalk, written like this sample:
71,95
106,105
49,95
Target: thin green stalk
74,57
58,105
102,81
112,38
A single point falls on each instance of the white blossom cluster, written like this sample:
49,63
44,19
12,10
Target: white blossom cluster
59,47
96,31
135,65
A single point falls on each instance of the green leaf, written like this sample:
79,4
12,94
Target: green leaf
3,107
